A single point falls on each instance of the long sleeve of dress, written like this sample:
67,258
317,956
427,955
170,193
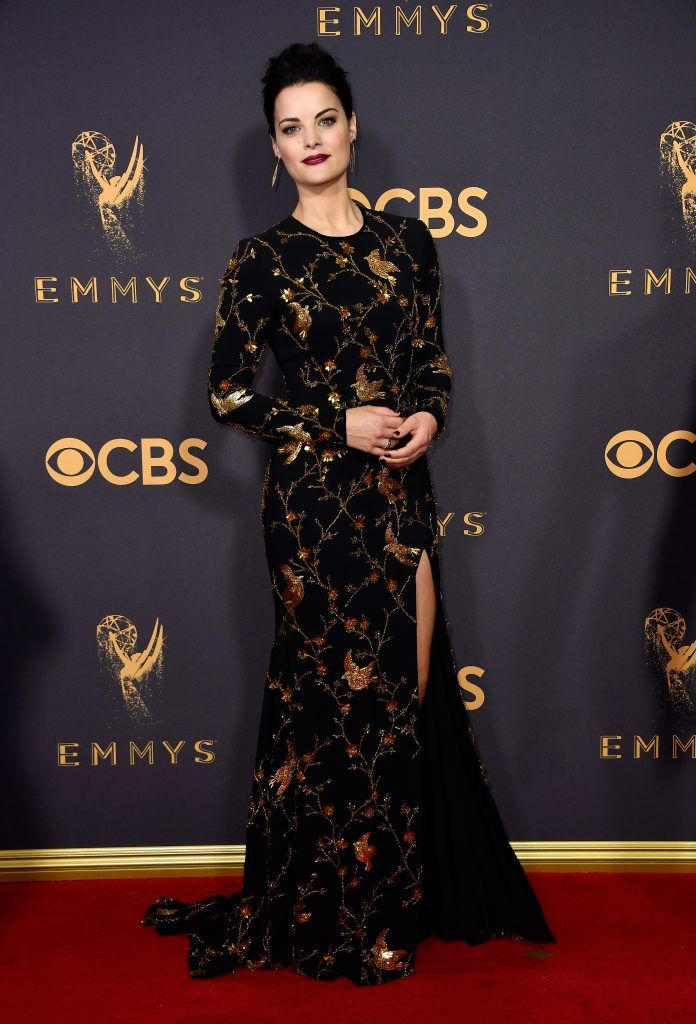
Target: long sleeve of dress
243,322
431,371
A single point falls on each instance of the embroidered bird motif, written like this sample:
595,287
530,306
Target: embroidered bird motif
228,401
303,319
367,390
363,851
440,364
387,959
400,551
358,678
382,268
283,776
294,592
298,439
388,486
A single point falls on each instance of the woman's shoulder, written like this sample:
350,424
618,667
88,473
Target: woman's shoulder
409,227
250,261
264,235
395,220
253,252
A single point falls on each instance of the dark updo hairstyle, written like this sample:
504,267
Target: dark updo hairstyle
300,63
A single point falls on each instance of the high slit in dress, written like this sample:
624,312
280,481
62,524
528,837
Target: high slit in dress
371,824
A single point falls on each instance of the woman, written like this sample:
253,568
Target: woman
370,822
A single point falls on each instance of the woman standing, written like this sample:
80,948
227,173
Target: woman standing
370,823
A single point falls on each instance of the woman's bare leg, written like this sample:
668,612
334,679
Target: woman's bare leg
425,615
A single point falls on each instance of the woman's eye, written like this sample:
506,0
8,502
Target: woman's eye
324,120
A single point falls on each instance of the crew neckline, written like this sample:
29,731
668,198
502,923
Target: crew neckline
320,234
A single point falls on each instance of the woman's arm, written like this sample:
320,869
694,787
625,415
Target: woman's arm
431,371
242,325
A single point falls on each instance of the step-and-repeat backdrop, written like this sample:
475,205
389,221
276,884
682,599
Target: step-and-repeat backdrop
551,150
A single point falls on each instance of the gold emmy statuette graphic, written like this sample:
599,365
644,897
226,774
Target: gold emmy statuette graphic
678,165
665,630
117,639
94,160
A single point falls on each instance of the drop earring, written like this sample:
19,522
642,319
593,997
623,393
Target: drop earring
352,155
275,172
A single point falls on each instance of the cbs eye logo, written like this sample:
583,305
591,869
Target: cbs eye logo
630,453
71,462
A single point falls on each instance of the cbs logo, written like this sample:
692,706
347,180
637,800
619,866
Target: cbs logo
71,462
634,453
434,203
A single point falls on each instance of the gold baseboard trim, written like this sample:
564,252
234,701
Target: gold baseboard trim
162,861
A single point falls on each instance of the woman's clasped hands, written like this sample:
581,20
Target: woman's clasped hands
370,427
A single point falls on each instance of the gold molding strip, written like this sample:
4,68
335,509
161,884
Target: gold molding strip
162,861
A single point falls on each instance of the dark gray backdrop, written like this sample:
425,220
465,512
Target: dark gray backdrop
555,113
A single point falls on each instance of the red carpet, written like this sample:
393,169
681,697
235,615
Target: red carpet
626,951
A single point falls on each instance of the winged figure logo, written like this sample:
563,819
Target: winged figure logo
114,195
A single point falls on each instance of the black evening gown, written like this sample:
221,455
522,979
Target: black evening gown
371,824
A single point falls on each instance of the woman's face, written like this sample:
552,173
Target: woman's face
309,121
